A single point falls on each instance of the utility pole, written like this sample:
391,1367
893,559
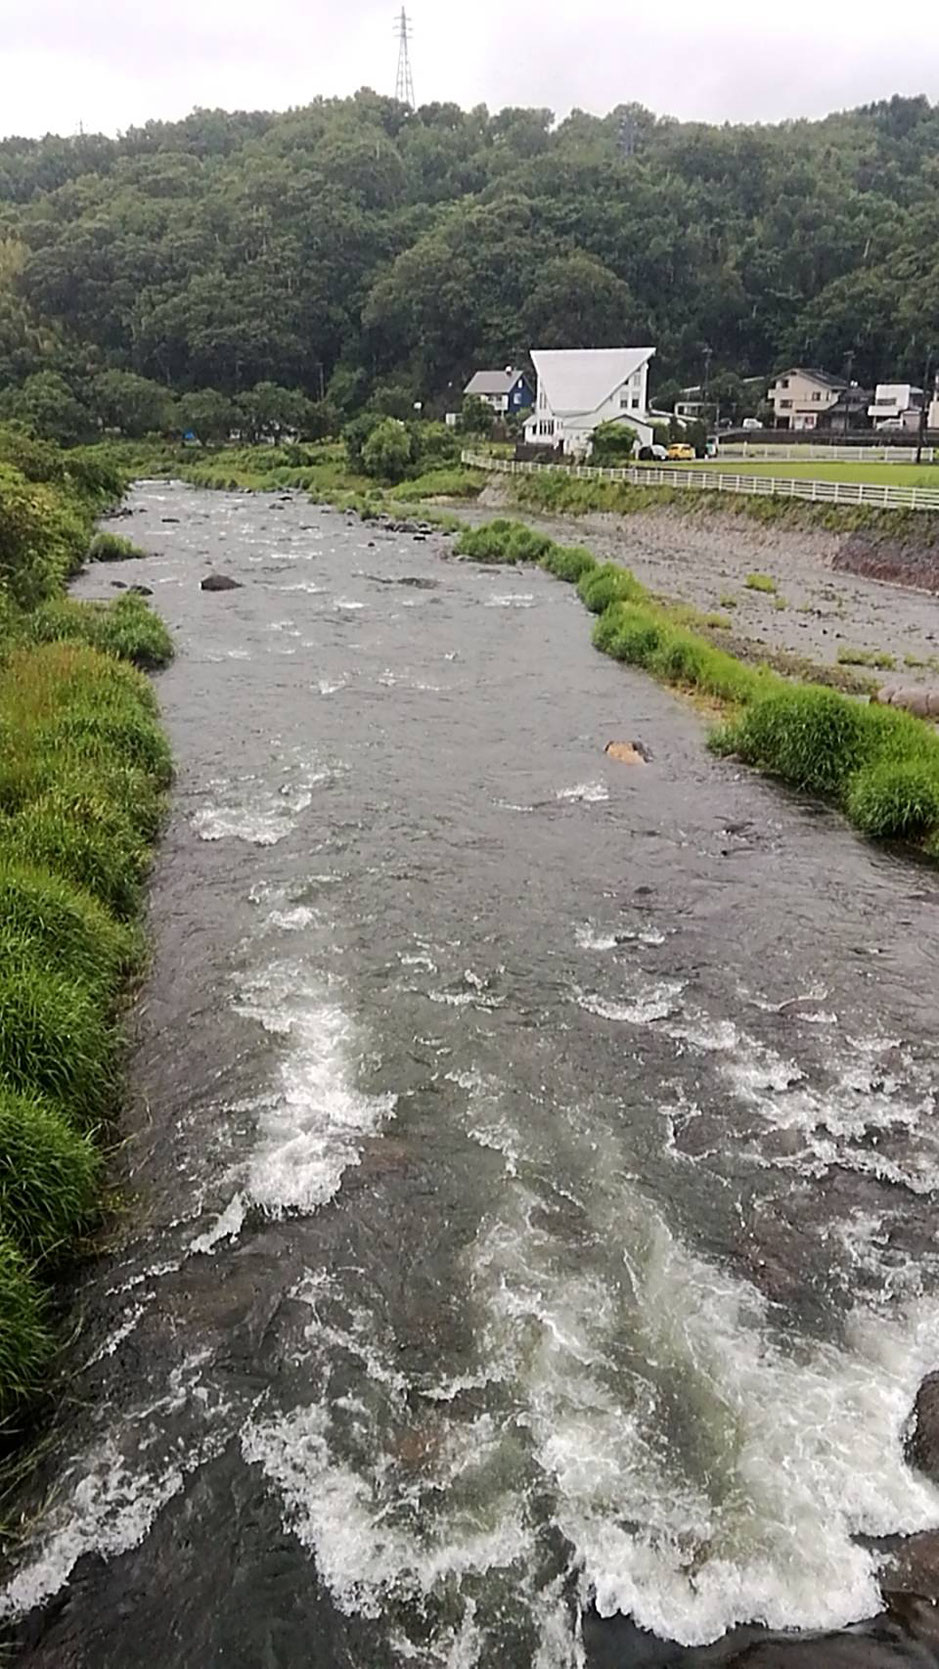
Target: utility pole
708,356
921,437
404,86
848,368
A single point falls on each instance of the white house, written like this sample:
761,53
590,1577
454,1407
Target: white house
800,397
897,405
580,388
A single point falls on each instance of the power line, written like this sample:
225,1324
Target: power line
404,86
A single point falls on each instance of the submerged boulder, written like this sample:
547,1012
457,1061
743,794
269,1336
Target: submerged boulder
220,582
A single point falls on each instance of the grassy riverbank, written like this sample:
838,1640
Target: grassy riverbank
83,772
879,765
563,494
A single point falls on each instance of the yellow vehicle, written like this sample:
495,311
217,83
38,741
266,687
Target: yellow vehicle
681,453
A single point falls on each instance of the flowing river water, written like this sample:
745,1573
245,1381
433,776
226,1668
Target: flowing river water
532,1159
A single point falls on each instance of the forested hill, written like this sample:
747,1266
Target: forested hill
352,245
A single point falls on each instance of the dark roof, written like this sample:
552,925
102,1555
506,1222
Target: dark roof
492,382
823,377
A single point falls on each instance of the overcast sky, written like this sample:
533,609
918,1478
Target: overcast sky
109,64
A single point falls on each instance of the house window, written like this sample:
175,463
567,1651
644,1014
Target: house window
623,401
816,394
785,402
634,402
784,382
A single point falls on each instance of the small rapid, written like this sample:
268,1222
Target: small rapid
528,1254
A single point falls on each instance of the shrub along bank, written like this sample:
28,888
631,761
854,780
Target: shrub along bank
84,768
881,766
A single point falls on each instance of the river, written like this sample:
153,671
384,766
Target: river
529,1193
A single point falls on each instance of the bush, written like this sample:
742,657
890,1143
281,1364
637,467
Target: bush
55,1041
25,1345
613,445
760,582
568,562
387,453
895,801
48,1176
610,584
503,541
112,547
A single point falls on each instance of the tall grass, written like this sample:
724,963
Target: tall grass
49,1176
113,547
84,769
25,1344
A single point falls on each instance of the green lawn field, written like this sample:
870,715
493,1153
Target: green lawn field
893,475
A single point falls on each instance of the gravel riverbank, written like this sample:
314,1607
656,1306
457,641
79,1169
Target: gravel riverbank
816,610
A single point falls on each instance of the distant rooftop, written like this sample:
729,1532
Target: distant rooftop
492,382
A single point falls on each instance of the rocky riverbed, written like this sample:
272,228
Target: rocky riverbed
818,609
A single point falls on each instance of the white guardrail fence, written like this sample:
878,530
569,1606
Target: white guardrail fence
767,451
721,481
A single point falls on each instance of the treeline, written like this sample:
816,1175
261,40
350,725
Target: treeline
352,251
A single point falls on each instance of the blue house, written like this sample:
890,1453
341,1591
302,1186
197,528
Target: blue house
505,391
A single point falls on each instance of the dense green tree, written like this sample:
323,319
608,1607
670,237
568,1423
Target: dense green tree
134,405
267,411
388,452
46,404
208,415
477,416
577,302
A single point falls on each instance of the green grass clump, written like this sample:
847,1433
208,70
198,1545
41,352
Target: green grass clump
866,657
55,1039
503,541
48,1177
126,628
452,482
120,735
895,800
82,835
25,1344
813,738
728,600
113,547
760,582
568,562
644,635
609,584
63,926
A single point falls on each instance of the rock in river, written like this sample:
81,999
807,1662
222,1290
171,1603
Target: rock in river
220,582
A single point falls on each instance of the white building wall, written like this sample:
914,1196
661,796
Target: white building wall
627,404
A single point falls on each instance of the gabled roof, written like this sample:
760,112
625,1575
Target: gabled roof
492,382
581,379
821,377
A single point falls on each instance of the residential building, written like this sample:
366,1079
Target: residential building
896,405
800,397
580,388
691,407
849,412
932,417
507,392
